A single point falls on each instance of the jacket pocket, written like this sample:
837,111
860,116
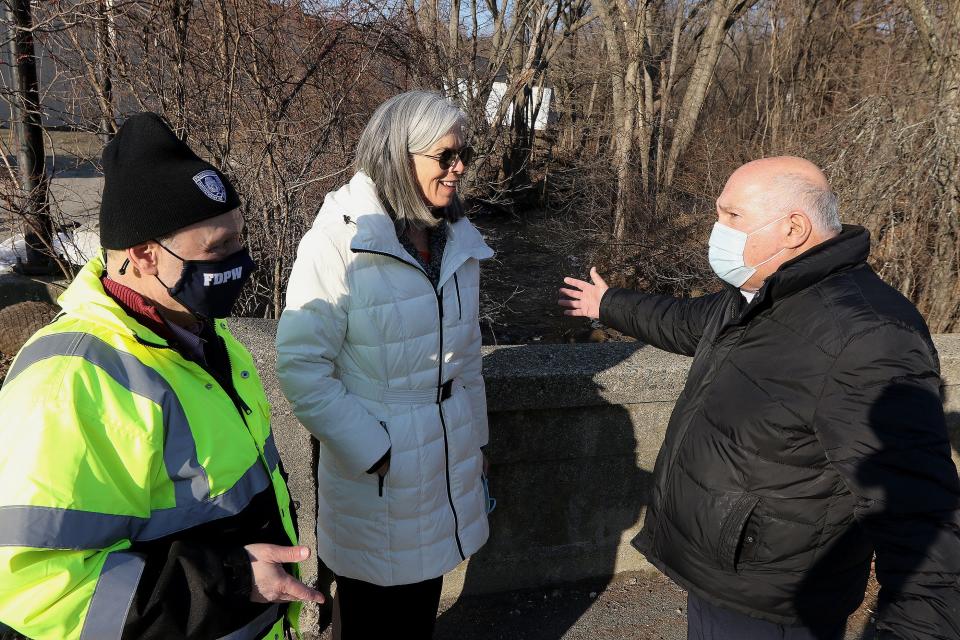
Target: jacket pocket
456,282
732,531
382,478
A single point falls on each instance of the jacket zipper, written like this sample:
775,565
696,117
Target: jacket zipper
238,402
380,478
245,411
242,408
456,283
443,422
731,308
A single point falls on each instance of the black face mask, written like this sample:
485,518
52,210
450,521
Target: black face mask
210,288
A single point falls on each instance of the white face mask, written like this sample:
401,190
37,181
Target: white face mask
726,253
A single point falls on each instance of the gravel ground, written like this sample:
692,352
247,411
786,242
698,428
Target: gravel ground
638,607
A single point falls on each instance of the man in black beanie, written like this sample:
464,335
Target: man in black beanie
145,497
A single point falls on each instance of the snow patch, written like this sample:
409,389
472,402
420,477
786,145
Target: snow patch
76,245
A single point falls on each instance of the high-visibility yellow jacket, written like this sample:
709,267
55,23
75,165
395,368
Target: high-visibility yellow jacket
109,437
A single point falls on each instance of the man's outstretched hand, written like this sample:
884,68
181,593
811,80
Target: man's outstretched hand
271,582
583,298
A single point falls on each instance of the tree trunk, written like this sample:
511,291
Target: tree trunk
622,63
707,55
104,31
625,180
943,51
945,286
28,132
181,25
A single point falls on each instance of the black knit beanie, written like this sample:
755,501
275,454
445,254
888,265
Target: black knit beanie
154,184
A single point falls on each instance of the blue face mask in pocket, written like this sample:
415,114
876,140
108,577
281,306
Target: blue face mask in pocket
491,502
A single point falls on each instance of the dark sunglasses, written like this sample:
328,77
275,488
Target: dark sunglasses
449,157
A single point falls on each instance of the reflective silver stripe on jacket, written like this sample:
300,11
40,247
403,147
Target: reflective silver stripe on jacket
251,630
179,450
270,452
55,528
59,528
112,596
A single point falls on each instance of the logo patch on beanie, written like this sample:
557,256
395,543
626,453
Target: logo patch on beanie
211,185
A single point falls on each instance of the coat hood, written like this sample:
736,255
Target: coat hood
85,298
357,203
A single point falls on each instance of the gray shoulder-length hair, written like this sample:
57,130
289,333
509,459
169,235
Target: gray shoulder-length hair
409,123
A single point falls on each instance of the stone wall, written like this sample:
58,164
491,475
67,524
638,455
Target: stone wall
574,433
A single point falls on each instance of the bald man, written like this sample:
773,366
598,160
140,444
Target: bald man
810,433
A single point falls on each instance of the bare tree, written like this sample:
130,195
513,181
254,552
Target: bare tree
264,90
938,24
650,45
653,104
469,58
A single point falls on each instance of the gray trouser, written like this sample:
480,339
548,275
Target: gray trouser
706,621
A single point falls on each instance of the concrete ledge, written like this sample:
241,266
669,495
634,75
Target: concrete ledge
556,376
575,431
572,375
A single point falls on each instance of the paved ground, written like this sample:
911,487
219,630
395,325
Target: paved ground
637,608
76,185
631,608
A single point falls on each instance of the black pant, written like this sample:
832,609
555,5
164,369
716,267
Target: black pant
6,633
371,612
706,621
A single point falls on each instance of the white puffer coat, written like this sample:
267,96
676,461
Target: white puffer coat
359,357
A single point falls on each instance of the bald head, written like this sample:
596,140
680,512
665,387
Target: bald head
783,206
776,186
767,168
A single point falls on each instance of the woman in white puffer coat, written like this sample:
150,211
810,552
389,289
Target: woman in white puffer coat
379,355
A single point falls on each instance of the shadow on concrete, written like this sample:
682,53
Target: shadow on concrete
912,476
567,486
325,577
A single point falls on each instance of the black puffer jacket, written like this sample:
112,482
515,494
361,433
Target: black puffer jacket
810,434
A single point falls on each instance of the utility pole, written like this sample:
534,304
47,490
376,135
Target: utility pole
28,133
